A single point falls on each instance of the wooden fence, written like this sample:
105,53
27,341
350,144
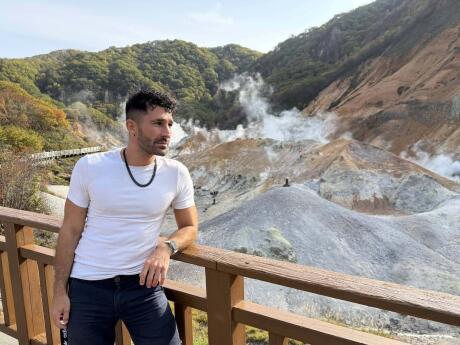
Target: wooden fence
26,279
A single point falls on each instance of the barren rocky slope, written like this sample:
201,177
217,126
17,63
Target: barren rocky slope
296,224
395,101
351,207
351,173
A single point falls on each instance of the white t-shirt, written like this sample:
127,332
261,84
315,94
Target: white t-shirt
123,220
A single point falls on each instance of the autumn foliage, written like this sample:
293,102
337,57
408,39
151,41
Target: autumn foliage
23,118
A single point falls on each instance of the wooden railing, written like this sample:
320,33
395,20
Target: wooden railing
26,280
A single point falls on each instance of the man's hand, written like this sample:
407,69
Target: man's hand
69,235
60,309
156,266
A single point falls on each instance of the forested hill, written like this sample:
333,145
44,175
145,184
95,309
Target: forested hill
103,80
303,65
189,72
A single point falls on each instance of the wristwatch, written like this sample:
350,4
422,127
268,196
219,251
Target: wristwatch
172,244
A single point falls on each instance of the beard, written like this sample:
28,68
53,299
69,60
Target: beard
150,146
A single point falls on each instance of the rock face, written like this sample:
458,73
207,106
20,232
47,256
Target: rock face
352,207
403,96
368,179
419,193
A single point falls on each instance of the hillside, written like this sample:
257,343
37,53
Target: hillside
301,66
295,224
389,69
406,99
388,65
103,80
28,123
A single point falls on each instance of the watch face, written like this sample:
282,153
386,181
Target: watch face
172,245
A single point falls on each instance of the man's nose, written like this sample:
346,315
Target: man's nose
166,131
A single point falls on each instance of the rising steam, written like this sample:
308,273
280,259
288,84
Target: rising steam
262,121
285,125
441,164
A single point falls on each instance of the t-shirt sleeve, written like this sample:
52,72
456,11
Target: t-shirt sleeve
184,196
78,189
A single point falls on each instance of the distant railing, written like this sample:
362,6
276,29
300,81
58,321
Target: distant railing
48,155
26,280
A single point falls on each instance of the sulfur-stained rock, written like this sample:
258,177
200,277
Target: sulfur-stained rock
264,242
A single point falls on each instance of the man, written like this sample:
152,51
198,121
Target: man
116,204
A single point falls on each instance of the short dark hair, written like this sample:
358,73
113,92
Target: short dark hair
145,100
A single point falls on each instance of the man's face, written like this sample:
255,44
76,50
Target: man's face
154,131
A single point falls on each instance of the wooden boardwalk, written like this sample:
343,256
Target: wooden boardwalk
50,155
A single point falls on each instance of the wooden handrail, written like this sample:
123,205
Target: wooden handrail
303,328
429,305
224,300
186,295
32,219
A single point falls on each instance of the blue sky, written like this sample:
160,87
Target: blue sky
34,27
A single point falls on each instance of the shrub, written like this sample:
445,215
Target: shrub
21,139
20,183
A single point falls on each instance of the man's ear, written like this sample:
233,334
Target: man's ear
131,126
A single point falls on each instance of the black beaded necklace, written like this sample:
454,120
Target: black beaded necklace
132,177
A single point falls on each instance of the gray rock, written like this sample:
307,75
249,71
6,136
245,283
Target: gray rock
419,250
455,110
378,191
419,193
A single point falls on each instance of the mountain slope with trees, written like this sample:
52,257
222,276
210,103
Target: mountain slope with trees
305,70
103,80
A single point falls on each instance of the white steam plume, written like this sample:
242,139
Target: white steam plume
263,123
442,164
178,134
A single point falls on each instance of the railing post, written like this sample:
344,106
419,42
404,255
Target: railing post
183,315
223,291
7,291
122,336
25,284
276,339
46,282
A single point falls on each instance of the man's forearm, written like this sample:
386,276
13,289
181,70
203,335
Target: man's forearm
184,236
67,242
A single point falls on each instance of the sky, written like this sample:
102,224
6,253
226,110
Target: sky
31,27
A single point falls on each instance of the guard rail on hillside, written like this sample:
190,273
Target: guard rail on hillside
48,155
26,278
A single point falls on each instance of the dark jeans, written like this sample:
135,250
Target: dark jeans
96,306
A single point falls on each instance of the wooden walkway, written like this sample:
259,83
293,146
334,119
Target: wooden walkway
50,155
